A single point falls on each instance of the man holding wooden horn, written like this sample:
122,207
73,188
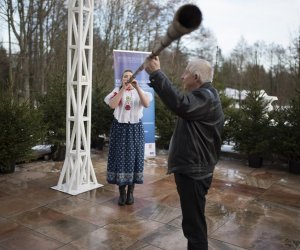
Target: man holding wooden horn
196,142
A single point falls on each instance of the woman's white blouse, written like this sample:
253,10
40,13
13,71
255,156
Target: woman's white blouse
130,108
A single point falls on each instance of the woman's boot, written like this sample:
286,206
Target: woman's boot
122,198
130,199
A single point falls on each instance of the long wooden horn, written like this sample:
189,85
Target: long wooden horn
187,19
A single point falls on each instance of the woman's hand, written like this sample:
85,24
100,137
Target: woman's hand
134,84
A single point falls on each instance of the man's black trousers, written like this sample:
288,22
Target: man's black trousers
192,199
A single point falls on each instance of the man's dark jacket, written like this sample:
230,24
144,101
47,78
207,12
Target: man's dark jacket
196,142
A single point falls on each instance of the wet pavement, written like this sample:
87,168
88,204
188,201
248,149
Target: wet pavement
246,208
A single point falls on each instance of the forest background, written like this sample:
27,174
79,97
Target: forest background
33,64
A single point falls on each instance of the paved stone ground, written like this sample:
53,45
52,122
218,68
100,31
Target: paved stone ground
246,209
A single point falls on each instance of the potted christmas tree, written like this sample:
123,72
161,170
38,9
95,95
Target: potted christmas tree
252,133
287,134
20,129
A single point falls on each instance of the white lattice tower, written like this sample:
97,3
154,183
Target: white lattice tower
77,175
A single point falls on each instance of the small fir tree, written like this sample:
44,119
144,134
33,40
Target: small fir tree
21,128
252,126
53,108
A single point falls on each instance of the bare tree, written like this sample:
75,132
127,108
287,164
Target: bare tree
294,61
5,15
276,58
124,24
26,21
54,51
239,57
44,7
201,43
20,20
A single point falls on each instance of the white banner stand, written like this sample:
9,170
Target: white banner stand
78,175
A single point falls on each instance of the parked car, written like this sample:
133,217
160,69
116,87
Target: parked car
41,152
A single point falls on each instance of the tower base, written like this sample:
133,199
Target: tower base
81,189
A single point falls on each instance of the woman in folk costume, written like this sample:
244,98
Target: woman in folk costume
126,148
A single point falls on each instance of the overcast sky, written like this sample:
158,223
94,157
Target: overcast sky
272,21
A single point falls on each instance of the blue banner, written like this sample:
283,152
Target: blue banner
124,59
